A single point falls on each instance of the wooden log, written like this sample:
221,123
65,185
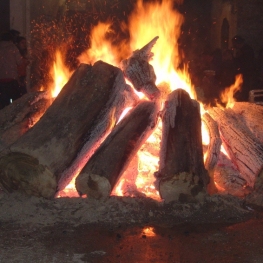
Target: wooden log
255,198
243,148
61,142
228,179
212,150
18,117
215,143
140,73
182,173
102,171
252,115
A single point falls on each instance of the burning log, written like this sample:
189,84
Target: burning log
182,173
101,173
242,146
87,108
252,115
140,73
17,118
214,146
228,179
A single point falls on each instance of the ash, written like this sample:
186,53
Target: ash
32,211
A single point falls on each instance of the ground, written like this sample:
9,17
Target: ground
129,230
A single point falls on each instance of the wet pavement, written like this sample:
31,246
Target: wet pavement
92,243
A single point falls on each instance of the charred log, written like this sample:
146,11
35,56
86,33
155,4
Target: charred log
80,117
182,173
228,179
256,196
17,118
98,177
215,143
252,115
140,73
242,146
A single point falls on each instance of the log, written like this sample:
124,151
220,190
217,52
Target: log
182,175
215,143
228,179
48,155
252,115
213,150
17,118
140,73
105,167
255,198
242,146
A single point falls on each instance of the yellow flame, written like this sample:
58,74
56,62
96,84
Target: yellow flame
160,19
146,22
101,48
227,96
60,73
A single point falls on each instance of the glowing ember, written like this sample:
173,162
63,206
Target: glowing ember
148,231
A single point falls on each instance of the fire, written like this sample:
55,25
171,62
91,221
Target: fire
101,48
160,19
146,22
148,231
227,96
60,73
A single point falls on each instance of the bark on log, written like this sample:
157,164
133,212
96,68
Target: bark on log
182,173
228,179
215,143
243,148
256,196
140,73
61,142
18,117
101,173
252,115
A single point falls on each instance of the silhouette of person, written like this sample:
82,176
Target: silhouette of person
22,68
228,69
245,64
10,58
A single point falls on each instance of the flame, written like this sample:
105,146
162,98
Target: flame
160,19
60,73
227,96
101,48
147,21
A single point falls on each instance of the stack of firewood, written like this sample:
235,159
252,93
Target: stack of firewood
79,134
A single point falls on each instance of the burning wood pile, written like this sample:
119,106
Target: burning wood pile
83,134
80,134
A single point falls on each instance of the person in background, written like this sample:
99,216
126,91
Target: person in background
22,68
245,64
228,70
10,59
15,34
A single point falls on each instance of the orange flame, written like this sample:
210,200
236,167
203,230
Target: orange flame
60,73
146,22
227,96
160,19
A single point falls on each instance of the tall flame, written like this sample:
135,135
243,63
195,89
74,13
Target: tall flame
146,22
161,19
60,73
